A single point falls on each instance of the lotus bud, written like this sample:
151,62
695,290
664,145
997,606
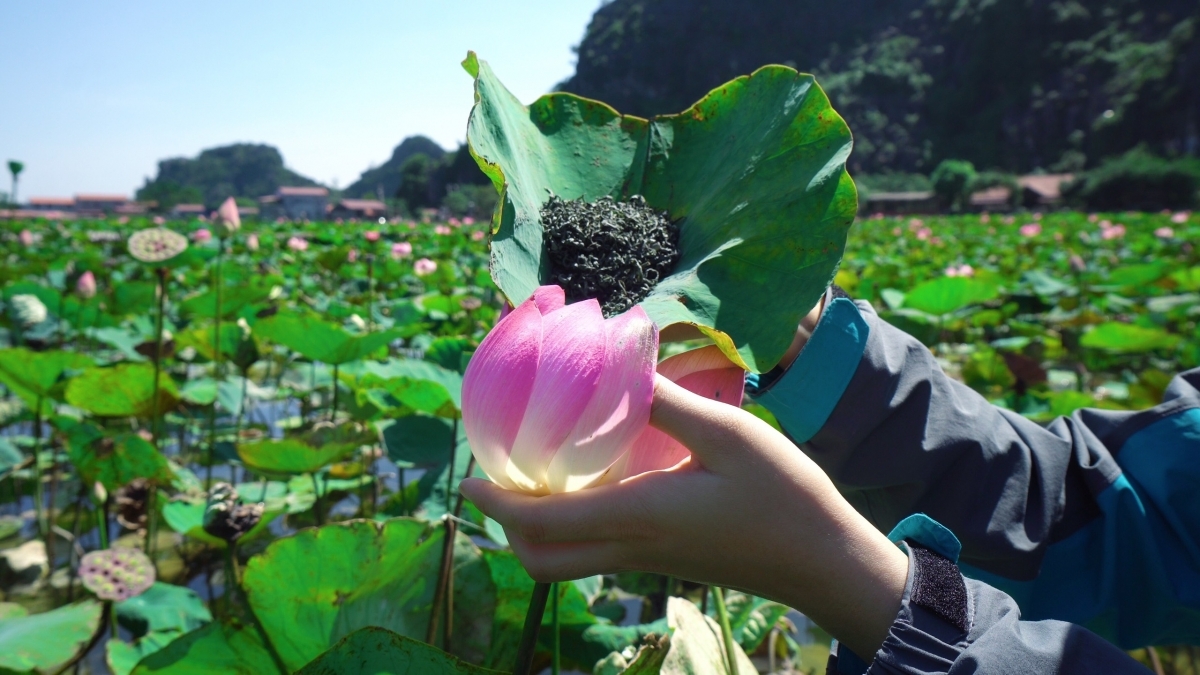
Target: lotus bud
202,235
27,310
297,244
401,249
556,393
371,235
424,267
26,238
228,220
358,323
352,256
252,242
85,287
244,326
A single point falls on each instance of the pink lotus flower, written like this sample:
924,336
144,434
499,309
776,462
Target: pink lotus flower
252,242
896,232
1077,263
1164,232
468,221
441,229
1037,216
201,235
1093,217
401,249
159,220
1114,232
352,256
26,238
297,244
478,235
85,286
1030,230
915,224
455,222
371,235
963,270
705,371
1180,218
556,393
985,218
424,267
924,233
228,219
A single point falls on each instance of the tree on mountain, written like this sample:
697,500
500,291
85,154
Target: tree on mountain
243,170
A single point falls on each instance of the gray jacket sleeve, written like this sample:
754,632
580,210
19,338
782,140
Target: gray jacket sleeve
949,624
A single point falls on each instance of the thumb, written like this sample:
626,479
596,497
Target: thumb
713,431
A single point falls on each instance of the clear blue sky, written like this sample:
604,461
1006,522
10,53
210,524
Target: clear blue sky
97,91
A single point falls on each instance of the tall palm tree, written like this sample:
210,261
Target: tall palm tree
15,168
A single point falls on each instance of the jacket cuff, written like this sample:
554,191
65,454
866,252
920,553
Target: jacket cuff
803,397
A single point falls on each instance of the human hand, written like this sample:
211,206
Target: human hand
747,510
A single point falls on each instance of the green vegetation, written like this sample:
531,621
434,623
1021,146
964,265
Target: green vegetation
1007,84
1138,180
241,170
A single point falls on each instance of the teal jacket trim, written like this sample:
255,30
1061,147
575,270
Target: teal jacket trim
804,396
921,529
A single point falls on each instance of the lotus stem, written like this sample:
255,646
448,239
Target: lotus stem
234,583
444,591
370,292
102,527
555,664
217,363
726,632
333,412
403,494
50,521
453,459
39,497
317,507
533,625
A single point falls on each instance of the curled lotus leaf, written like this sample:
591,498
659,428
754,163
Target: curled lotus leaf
753,174
156,244
116,573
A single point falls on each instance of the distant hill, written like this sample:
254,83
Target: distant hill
242,170
385,179
1010,84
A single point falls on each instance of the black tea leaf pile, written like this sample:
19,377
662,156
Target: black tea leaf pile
613,251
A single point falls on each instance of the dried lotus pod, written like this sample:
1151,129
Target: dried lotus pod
156,244
117,573
132,499
225,518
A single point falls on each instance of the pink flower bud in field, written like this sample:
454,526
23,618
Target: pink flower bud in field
468,221
1077,263
556,394
228,220
1058,236
896,232
985,218
26,238
202,235
424,267
1030,230
252,242
1164,232
85,287
455,222
924,233
1114,232
401,249
952,271
352,256
297,244
371,235
441,229
1180,218
159,220
478,235
1093,217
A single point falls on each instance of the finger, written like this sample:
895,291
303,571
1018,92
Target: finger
604,513
564,562
714,432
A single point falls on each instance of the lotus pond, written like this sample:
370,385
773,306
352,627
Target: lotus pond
268,483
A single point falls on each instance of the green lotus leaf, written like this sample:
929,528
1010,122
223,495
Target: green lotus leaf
1127,338
754,173
40,642
949,294
316,587
320,340
114,461
420,385
124,390
163,607
378,651
216,648
306,453
32,375
234,297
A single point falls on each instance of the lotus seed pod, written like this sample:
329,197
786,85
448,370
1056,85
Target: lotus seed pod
117,573
156,244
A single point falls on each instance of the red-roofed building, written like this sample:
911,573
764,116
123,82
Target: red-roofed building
1044,190
51,204
295,203
362,209
98,204
187,210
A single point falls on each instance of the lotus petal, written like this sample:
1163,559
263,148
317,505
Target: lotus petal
497,386
573,356
619,409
